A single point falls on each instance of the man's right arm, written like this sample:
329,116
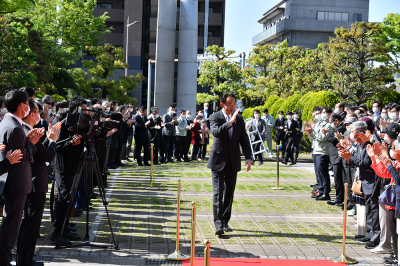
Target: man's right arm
15,140
216,130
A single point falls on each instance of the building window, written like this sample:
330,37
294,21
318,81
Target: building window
357,17
337,16
106,6
212,10
211,34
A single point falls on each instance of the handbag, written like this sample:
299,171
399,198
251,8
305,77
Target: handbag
356,188
388,197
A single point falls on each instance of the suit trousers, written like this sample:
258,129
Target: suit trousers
338,176
315,168
322,163
384,221
180,144
168,142
268,138
142,143
224,183
281,139
129,145
113,145
297,142
30,226
256,148
289,143
372,213
156,148
12,215
393,232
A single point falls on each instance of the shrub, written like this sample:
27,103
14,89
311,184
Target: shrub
248,113
270,101
39,94
57,97
290,103
322,98
276,107
385,97
303,100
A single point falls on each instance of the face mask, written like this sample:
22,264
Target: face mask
352,137
157,116
201,114
387,140
182,116
317,117
375,110
256,116
188,116
289,117
50,111
26,113
333,125
295,116
265,114
280,116
37,121
324,116
391,153
108,109
3,110
384,116
206,108
393,116
171,113
337,111
131,110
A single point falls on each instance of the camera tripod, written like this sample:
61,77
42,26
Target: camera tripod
89,165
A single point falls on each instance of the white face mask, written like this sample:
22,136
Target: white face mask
280,116
26,113
391,152
171,113
157,115
256,116
37,121
384,116
188,116
265,114
375,110
317,117
387,140
324,116
352,137
295,116
393,116
182,115
201,114
333,125
108,109
206,108
131,110
289,117
337,111
4,110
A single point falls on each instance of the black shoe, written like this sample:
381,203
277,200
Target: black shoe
146,164
108,173
260,163
156,163
370,245
332,202
140,164
37,263
340,204
316,196
55,238
120,164
171,161
358,236
72,236
227,228
252,161
363,240
219,231
129,160
72,228
392,260
324,197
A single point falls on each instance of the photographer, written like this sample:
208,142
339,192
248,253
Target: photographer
17,184
68,156
36,199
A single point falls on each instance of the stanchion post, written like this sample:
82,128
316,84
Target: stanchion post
277,169
177,255
343,259
151,166
207,244
192,250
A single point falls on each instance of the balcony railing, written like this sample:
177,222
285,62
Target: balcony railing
264,34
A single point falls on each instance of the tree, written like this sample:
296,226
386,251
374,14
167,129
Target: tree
205,98
11,6
108,58
351,62
391,36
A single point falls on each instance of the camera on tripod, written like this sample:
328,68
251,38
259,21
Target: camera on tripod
88,122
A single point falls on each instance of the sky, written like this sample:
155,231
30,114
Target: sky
242,15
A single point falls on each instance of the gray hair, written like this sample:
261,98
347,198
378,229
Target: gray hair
359,126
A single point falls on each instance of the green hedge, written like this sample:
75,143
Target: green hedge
248,113
384,98
57,97
322,98
290,103
303,100
270,101
39,94
276,107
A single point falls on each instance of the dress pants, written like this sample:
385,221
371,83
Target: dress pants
338,176
142,143
30,226
168,142
224,183
129,145
384,221
113,145
322,163
256,148
12,215
315,169
297,142
180,145
156,148
289,144
268,138
188,141
195,150
281,139
202,151
372,213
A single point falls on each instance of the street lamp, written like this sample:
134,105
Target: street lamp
127,41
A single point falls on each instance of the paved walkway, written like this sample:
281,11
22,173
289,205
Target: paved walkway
267,223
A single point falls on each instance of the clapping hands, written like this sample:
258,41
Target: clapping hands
52,133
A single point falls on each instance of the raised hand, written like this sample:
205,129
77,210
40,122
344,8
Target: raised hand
383,123
346,143
233,119
370,150
109,133
370,136
14,157
325,131
361,138
35,134
52,133
386,161
76,140
2,147
396,155
345,154
339,136
384,150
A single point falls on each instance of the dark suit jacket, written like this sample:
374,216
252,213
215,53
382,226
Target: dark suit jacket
333,151
343,116
367,175
5,166
44,153
223,147
154,134
140,128
293,129
277,124
169,129
18,181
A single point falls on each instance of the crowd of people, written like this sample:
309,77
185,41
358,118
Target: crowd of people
39,146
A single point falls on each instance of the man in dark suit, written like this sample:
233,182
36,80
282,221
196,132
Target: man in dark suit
339,109
207,112
17,184
291,129
280,133
189,132
376,109
257,124
36,199
337,163
363,161
141,138
229,131
299,135
170,120
155,132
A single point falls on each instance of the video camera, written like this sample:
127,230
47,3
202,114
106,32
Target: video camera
81,122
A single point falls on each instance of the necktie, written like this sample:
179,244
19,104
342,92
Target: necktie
231,129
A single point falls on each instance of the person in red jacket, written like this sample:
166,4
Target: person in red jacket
195,136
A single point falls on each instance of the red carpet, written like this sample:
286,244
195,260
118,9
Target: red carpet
259,262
